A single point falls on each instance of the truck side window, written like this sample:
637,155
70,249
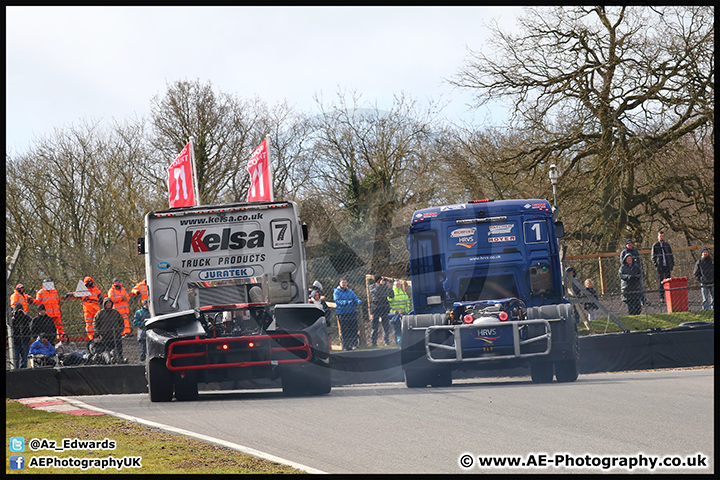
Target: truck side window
540,279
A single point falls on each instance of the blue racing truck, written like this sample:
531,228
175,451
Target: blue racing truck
487,293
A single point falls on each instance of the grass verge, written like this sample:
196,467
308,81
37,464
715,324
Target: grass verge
161,452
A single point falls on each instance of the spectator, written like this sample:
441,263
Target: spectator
631,284
705,274
346,302
399,306
140,288
662,257
67,352
109,325
49,297
317,286
317,299
91,303
380,293
574,292
19,296
139,321
96,351
43,324
21,335
121,302
590,307
630,248
42,351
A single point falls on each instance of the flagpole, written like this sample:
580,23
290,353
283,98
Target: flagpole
194,172
270,170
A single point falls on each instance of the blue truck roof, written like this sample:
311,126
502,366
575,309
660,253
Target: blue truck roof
488,207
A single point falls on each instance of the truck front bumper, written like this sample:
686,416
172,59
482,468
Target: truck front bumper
451,349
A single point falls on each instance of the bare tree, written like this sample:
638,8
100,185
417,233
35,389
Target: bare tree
371,162
608,92
224,134
76,204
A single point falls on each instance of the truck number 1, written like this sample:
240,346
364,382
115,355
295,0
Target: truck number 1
535,232
536,228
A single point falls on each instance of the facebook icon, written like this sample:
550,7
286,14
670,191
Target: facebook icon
17,462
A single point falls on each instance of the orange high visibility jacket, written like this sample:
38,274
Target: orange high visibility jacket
120,300
23,298
51,301
91,305
121,303
141,289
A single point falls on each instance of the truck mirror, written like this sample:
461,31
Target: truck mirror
141,246
305,232
559,229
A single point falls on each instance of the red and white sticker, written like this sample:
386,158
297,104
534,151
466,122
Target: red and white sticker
507,238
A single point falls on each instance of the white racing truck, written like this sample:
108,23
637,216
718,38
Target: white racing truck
227,290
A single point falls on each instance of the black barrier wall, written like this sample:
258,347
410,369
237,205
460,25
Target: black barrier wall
678,347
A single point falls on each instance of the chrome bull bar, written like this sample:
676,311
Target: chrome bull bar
517,341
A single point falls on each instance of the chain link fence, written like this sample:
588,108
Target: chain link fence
683,291
602,269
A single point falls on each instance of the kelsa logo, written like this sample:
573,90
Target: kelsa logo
198,241
500,229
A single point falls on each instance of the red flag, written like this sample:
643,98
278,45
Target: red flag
180,180
260,175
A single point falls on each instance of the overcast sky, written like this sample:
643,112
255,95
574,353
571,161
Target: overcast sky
69,64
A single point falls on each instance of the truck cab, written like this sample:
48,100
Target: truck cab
487,292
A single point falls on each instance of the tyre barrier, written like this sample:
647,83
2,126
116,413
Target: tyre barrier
684,346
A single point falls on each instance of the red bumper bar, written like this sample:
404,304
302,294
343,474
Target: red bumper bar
204,361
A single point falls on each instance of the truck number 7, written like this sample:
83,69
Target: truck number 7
281,234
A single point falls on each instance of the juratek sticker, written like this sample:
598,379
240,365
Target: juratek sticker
509,238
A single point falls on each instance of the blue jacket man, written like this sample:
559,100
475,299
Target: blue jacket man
346,302
41,346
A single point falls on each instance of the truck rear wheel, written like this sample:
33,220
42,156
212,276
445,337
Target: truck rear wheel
541,372
313,379
186,388
160,384
318,380
422,377
567,370
419,372
292,384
